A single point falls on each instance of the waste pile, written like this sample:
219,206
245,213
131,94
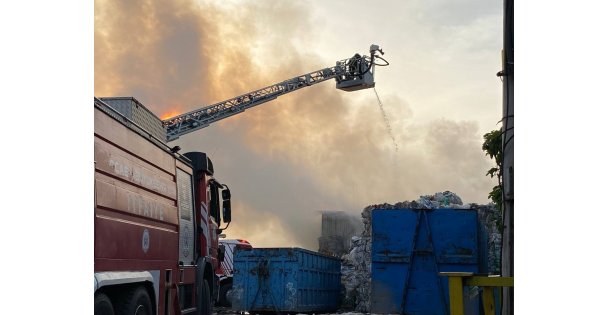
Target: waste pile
356,265
356,275
489,215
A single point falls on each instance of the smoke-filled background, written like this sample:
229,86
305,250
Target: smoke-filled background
318,148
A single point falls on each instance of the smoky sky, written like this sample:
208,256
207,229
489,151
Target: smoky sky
313,150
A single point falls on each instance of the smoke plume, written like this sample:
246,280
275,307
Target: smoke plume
314,149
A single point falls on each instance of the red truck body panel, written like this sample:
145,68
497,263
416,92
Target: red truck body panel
137,211
135,192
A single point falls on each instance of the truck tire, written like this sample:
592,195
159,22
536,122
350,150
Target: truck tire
225,300
103,305
136,302
204,308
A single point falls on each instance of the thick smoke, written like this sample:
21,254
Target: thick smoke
160,52
315,149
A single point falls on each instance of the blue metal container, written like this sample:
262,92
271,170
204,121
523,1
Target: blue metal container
409,249
285,280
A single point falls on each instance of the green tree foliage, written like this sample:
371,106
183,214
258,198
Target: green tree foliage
492,146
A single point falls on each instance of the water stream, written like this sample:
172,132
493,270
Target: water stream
388,125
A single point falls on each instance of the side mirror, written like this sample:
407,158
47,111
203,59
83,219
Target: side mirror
226,208
221,250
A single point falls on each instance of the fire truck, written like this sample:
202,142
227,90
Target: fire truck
158,212
157,217
225,271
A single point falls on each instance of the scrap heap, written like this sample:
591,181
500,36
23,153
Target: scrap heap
356,265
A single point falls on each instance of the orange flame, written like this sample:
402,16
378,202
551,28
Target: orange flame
169,114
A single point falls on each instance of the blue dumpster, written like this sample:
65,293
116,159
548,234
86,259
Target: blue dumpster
409,249
285,280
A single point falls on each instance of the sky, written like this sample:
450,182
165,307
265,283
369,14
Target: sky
319,148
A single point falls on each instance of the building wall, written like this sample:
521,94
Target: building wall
337,229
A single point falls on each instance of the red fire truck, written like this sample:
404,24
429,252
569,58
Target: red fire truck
226,269
157,212
157,217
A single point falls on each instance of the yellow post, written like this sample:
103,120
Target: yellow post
457,280
487,297
456,295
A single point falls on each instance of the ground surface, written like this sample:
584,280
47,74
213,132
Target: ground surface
228,311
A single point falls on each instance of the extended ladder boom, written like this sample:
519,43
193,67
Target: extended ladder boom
351,74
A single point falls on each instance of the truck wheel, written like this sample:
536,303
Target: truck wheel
103,305
224,297
205,299
136,302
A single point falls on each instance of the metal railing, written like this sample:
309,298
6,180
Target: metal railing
458,280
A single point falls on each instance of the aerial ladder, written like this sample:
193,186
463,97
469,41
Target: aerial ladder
352,74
